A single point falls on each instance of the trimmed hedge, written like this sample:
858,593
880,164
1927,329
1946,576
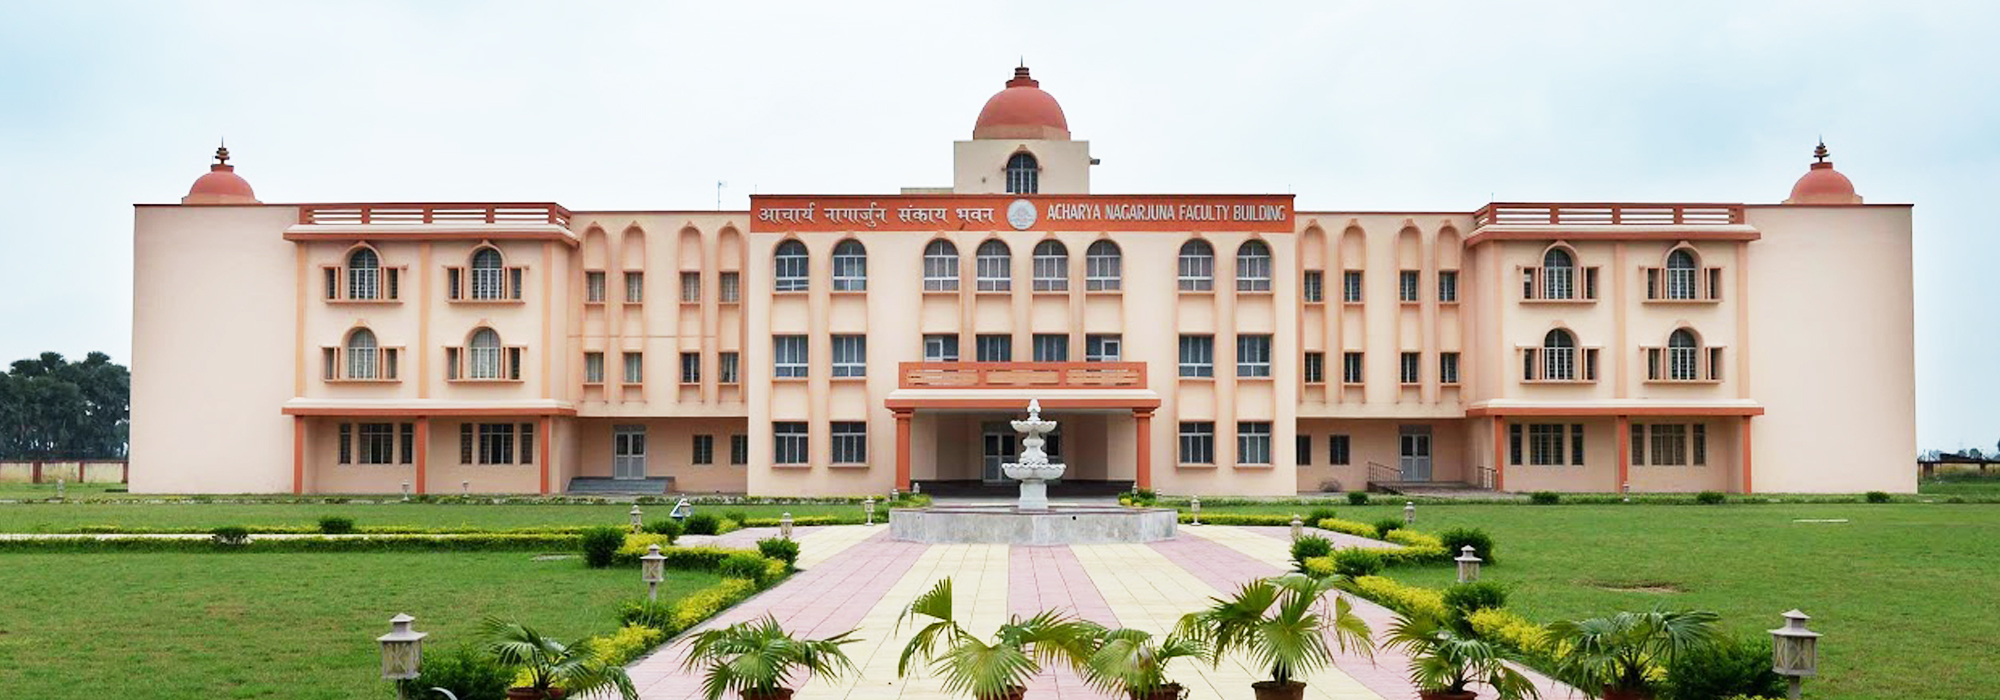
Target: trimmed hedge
1509,629
625,645
600,545
1409,600
404,543
1349,527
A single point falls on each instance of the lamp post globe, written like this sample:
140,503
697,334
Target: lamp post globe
1795,650
402,649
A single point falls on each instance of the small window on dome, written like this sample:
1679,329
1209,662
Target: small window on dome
1023,174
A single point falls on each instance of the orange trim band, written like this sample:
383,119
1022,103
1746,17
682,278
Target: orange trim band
434,412
542,446
298,454
1585,233
1020,404
423,452
1479,411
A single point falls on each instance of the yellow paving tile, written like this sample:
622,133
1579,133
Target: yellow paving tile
979,582
1262,547
822,544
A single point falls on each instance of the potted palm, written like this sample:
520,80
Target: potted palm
555,670
1612,656
758,659
996,670
1282,623
1445,664
1132,663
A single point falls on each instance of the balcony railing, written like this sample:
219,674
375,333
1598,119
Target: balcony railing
1683,365
1683,284
434,213
1022,375
1575,214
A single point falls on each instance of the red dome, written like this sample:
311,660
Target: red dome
221,185
1022,111
1823,185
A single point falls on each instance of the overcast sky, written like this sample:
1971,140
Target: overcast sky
1371,105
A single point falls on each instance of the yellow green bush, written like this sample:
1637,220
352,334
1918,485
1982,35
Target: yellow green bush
628,643
1409,600
1349,527
705,603
1504,626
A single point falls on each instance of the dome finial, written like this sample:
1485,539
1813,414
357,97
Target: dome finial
222,153
1820,153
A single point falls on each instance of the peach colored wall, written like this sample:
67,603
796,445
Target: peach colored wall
980,167
669,452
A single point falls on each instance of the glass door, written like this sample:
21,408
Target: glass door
628,452
997,446
1416,453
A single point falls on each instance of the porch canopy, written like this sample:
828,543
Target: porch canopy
1009,386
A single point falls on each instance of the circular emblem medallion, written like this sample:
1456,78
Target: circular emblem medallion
1021,214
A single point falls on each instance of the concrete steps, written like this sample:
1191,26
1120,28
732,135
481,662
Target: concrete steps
597,485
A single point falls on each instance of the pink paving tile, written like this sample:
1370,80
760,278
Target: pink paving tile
1339,539
1045,578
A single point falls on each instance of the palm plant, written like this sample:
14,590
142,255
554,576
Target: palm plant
1444,664
1131,662
556,669
1614,655
1282,623
990,670
758,659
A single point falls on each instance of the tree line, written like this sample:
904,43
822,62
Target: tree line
51,408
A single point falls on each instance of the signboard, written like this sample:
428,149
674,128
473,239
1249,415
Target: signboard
1260,213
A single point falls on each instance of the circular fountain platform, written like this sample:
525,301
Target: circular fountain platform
1007,524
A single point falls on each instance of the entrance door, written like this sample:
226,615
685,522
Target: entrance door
628,452
1416,453
997,446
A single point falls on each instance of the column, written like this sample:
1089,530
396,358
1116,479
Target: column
1743,438
547,436
1142,422
1622,434
423,448
298,454
1499,453
903,448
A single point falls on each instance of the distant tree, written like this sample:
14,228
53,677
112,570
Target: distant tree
51,408
1974,453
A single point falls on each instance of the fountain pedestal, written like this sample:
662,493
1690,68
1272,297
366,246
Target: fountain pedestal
1034,471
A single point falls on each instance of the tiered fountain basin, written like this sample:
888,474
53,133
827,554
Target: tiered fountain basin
1010,524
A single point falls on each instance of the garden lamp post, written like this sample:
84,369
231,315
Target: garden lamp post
406,492
1298,527
465,487
893,494
61,490
402,651
785,525
653,569
638,519
869,506
1626,489
1194,506
1409,513
1468,565
916,487
1795,650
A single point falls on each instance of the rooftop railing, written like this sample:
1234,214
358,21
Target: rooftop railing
1574,214
1022,375
435,213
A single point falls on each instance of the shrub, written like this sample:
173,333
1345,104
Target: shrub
600,545
1456,539
780,549
669,527
1730,667
628,643
336,525
1876,497
702,524
1709,498
1499,625
1545,498
1464,599
736,515
1357,498
705,603
1418,548
467,672
743,565
1307,547
1318,514
1388,525
1355,562
230,535
648,613
1409,600
1349,527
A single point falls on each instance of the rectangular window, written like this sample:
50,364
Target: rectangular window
788,356
332,282
346,443
690,368
1313,288
1448,368
593,286
850,442
1103,348
940,267
1350,368
1051,270
1412,368
454,287
704,450
635,368
1103,267
329,363
1699,443
1545,444
1197,442
1669,444
1638,444
1514,444
727,370
1315,368
1337,447
378,443
1051,347
1253,356
1253,271
496,443
1350,287
739,449
850,356
994,348
1302,450
789,446
1197,356
690,287
527,443
465,443
731,288
941,347
409,440
635,287
993,272
1408,285
1447,286
1253,443
850,268
1576,444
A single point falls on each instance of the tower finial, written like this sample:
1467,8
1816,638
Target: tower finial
1820,153
222,153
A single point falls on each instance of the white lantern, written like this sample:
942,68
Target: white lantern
1298,527
869,506
785,526
1194,507
1409,513
406,491
1468,565
402,649
638,519
1795,650
465,487
653,570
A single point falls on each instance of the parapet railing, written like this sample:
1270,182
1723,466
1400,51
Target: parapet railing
1021,375
435,213
1601,214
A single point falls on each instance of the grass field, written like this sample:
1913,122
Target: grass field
181,626
59,517
1961,484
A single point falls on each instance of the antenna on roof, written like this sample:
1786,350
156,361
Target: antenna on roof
718,194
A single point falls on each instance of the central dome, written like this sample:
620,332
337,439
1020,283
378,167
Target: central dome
1022,111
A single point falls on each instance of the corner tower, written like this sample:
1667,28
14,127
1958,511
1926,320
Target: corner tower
1021,145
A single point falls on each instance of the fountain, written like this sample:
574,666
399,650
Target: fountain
1032,520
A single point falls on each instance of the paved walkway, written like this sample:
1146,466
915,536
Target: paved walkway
855,577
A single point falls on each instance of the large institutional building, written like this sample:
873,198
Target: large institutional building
840,345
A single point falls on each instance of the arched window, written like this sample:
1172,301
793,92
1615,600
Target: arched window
485,355
850,267
489,279
940,266
992,265
789,267
1103,267
1559,356
1253,267
1558,274
1682,349
364,275
1023,174
1051,266
1680,274
1197,266
361,355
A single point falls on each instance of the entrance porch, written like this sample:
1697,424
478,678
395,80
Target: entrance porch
952,420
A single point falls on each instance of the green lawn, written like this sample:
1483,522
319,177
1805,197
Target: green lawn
62,517
179,626
1962,484
18,490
